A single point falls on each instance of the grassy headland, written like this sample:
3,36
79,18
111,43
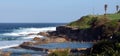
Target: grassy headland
86,21
109,25
105,28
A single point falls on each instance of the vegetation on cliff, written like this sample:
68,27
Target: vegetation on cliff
60,53
85,21
106,48
107,27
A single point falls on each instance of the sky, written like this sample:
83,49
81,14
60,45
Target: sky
51,11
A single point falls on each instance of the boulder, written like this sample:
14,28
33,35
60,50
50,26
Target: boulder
36,39
60,40
31,34
0,51
43,34
6,54
26,55
27,43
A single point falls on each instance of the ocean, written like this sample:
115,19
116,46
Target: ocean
13,34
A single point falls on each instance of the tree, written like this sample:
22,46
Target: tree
117,8
105,7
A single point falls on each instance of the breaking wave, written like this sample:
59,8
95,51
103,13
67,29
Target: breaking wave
24,34
26,31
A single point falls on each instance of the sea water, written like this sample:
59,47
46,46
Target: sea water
13,34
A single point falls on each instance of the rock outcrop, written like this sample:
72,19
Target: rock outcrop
27,43
76,33
58,39
6,54
36,39
43,34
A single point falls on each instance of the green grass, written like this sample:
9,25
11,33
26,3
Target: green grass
82,23
114,16
85,21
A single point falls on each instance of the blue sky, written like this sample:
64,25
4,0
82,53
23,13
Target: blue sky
51,11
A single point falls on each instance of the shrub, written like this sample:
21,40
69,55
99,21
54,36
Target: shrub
110,28
106,48
59,53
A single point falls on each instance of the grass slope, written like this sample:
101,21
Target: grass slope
85,21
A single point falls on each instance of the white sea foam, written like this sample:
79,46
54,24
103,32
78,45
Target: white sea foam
8,44
32,36
26,31
3,47
23,33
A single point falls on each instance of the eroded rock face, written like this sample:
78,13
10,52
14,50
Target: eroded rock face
76,34
67,30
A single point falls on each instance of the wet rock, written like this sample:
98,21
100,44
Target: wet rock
0,52
57,39
36,39
27,43
31,34
26,55
75,34
6,54
43,34
60,40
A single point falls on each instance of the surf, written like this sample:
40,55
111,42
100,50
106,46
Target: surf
22,33
26,31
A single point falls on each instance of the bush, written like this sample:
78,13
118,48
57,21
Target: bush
99,21
116,37
60,53
106,48
109,29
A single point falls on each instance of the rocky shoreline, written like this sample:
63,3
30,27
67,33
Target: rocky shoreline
75,34
61,35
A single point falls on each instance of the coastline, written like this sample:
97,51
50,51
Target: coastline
49,38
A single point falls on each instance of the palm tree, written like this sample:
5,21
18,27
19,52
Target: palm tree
105,7
117,8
